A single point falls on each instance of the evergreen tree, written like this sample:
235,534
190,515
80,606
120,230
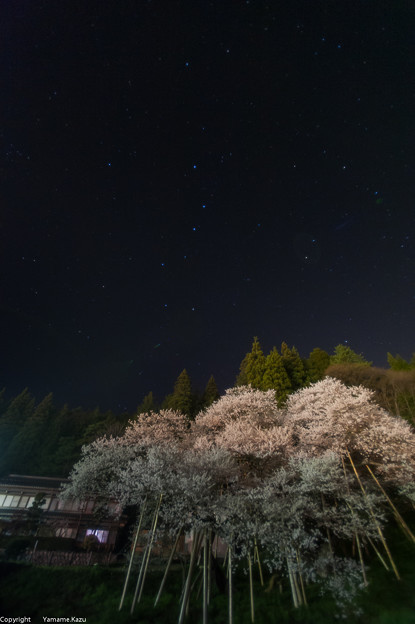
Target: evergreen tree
99,425
275,376
345,355
252,367
67,452
166,403
294,366
182,398
242,378
316,364
50,445
63,421
25,451
398,363
60,427
11,422
147,405
79,421
211,393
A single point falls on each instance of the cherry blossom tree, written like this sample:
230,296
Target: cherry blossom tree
295,482
330,415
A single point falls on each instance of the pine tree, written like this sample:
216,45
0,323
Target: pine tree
252,367
59,431
67,452
211,393
12,421
345,355
147,405
398,363
242,378
275,376
182,398
25,451
316,364
294,366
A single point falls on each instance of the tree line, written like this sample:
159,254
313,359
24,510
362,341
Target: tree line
285,371
43,439
46,440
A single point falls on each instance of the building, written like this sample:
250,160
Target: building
70,518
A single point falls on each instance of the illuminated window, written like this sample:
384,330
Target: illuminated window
101,535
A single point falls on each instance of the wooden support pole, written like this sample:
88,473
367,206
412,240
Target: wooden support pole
127,577
251,589
173,550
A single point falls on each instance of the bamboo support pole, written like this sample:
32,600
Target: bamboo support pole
293,590
292,585
297,589
209,579
169,562
251,589
378,527
225,561
146,557
153,533
230,586
301,579
362,563
256,552
140,576
327,529
206,541
186,591
378,554
398,516
127,577
359,549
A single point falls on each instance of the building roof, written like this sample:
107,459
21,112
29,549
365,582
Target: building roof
28,481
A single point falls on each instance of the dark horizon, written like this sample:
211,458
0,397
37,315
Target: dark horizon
198,385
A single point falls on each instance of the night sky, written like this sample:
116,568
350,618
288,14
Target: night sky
177,177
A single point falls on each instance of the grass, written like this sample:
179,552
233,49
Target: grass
94,593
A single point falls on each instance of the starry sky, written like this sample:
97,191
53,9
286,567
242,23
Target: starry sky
177,177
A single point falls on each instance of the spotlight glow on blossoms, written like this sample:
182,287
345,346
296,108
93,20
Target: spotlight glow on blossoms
289,485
